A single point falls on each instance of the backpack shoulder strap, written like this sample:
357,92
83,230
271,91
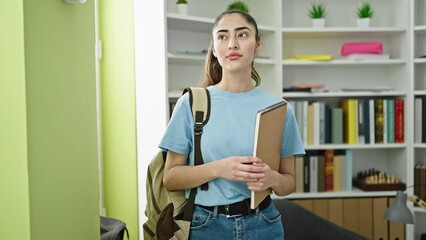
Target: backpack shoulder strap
199,100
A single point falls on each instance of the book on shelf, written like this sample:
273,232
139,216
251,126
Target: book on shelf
399,120
327,124
322,122
366,119
391,120
418,102
367,89
301,118
313,173
337,125
361,124
355,121
366,56
337,161
316,121
306,173
350,120
329,170
417,180
190,53
311,124
304,90
378,114
314,57
349,167
324,170
298,172
305,87
321,172
372,121
343,170
422,191
385,121
268,135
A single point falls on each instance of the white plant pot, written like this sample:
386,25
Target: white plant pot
318,22
363,22
182,8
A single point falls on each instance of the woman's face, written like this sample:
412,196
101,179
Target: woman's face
234,41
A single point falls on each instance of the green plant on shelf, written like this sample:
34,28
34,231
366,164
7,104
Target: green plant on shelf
365,10
317,10
181,2
238,5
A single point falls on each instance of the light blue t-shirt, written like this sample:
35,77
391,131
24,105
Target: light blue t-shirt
229,132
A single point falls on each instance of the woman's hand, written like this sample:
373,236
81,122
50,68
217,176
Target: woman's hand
269,180
247,169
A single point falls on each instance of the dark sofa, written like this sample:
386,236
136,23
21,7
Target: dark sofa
301,224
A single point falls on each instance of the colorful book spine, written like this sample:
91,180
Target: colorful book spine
366,116
311,123
321,171
378,114
417,120
350,120
349,160
336,126
391,121
327,124
329,169
361,124
372,119
337,162
306,173
399,120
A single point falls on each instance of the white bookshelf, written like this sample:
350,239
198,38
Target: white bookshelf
286,31
418,73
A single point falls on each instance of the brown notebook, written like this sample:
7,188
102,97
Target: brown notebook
268,137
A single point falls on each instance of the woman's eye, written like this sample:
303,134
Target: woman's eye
242,35
221,37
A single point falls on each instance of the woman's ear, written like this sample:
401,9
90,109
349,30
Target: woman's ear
258,46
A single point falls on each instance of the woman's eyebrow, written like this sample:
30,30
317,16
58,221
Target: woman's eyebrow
236,29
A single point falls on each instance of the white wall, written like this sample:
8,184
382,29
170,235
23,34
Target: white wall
151,99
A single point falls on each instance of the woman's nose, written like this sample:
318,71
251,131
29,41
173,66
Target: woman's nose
232,44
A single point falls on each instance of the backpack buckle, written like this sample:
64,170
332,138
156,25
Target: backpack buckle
198,128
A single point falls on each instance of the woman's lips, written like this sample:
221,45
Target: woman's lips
234,56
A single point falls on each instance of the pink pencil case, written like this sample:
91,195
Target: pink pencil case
362,47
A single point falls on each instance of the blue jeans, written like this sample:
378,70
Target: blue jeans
264,224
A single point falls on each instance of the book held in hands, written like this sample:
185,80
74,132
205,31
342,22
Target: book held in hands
268,137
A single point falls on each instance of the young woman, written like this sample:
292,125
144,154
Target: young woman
227,142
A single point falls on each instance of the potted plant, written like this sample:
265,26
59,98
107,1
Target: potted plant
238,5
182,7
317,13
364,13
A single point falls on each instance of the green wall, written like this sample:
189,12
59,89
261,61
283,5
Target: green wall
14,200
50,162
118,112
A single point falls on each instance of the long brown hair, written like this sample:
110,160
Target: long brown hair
212,69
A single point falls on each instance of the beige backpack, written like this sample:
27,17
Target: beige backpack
169,213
